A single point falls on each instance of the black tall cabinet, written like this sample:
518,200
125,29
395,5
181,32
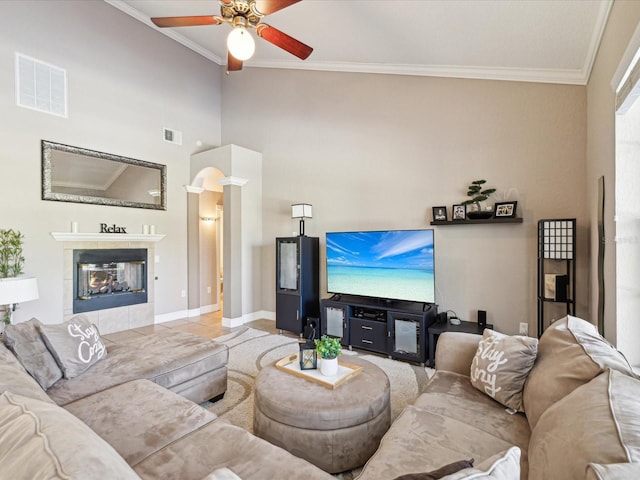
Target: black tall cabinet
297,282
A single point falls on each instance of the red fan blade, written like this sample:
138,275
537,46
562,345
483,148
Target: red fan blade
266,7
233,64
284,41
187,21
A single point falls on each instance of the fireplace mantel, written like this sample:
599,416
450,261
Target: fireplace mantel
106,237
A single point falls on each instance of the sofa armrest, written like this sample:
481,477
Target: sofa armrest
455,351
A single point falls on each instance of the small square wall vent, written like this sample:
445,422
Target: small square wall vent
172,136
41,86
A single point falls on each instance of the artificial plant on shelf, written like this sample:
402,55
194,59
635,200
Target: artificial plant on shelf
478,194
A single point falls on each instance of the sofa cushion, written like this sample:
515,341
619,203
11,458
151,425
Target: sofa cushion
502,466
222,445
25,341
598,422
441,472
614,471
42,440
169,359
14,378
420,440
138,418
452,395
501,366
75,344
570,353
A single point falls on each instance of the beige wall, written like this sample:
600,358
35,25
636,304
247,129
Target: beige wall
378,151
623,20
368,151
125,83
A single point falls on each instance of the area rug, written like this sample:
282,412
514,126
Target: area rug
250,350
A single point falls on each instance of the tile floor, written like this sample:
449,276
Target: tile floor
208,325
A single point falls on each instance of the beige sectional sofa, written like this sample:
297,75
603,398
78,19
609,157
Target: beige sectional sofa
130,415
581,418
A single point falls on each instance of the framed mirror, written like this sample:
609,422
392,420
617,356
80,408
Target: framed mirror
75,174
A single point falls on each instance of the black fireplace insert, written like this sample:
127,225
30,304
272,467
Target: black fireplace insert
109,278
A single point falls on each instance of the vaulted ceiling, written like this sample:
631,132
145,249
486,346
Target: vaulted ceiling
552,41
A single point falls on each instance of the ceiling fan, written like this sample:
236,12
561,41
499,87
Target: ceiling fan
242,15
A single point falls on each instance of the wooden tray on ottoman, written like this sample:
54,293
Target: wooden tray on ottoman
346,371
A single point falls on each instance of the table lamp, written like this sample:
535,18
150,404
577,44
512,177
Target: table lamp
301,211
16,290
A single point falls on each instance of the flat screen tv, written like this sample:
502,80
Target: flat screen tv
389,264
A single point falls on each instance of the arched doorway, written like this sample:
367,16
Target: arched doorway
205,221
242,213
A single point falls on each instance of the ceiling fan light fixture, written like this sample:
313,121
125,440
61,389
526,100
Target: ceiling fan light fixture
241,44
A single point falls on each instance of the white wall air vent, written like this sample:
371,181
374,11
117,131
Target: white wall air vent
172,136
41,86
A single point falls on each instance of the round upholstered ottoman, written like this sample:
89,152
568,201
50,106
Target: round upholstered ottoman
337,429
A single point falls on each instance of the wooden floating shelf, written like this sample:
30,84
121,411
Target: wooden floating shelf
480,220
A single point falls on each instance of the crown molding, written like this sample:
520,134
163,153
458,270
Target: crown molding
570,77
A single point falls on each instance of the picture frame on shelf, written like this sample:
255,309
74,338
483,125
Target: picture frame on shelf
439,214
459,212
505,209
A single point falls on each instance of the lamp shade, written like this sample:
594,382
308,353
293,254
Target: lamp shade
301,210
18,290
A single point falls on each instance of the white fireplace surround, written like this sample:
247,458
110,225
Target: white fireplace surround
112,319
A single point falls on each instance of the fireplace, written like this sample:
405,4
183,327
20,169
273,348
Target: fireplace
109,278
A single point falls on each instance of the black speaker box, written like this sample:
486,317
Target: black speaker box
312,329
482,318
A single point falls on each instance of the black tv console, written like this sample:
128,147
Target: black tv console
395,328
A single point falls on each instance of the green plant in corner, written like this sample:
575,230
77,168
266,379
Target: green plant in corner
328,347
11,258
477,193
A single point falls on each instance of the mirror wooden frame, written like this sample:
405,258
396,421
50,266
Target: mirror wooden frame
48,190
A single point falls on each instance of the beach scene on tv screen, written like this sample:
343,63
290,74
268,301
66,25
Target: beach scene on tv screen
396,264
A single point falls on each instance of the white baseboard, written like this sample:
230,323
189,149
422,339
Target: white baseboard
194,312
260,315
210,308
232,322
248,317
226,322
167,317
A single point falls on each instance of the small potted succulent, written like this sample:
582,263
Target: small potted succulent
328,348
478,194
